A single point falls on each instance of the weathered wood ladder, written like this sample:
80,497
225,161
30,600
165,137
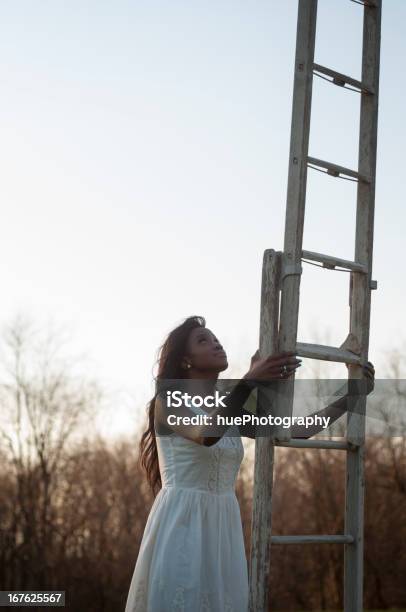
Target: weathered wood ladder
280,304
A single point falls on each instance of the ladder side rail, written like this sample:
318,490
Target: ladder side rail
296,192
259,567
285,336
360,300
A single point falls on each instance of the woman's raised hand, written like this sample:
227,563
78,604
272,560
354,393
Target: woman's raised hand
274,367
368,372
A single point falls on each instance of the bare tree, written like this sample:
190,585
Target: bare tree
43,403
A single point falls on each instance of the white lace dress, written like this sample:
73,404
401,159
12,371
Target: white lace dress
192,556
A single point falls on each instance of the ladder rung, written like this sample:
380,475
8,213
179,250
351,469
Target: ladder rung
342,79
328,353
330,262
305,443
335,170
312,539
367,3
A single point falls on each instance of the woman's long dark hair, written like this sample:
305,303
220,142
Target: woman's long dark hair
170,358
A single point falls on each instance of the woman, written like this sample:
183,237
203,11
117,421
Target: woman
192,556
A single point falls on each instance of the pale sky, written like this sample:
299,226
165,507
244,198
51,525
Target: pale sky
143,158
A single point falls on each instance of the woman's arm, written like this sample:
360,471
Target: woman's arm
340,406
334,411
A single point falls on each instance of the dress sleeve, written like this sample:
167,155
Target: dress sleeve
236,400
243,390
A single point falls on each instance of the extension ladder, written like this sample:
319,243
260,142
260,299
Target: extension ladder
280,292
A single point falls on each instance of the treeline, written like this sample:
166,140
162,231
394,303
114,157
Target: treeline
84,537
73,508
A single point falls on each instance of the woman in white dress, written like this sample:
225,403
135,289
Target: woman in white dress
192,556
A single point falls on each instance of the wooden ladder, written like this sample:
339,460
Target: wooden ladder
280,304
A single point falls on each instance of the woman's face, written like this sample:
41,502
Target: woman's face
204,351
